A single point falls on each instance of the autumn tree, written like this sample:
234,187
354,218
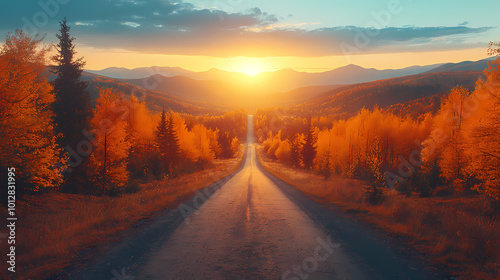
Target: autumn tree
309,148
453,160
483,131
374,192
26,127
140,131
109,159
235,145
72,105
202,143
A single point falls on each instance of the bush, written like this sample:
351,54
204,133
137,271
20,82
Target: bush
374,194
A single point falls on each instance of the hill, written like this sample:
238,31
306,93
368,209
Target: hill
241,93
155,100
270,82
463,66
410,95
138,73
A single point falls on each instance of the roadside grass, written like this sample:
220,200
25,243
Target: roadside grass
54,228
459,235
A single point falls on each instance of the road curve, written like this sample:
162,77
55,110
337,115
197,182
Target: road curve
255,227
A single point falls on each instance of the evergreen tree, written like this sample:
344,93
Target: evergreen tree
160,136
225,145
295,151
173,147
161,145
167,143
72,105
309,148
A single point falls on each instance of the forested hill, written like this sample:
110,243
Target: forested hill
410,95
155,100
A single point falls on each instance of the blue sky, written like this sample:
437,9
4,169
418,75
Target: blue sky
277,29
355,12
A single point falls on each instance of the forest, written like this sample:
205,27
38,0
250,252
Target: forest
454,147
61,138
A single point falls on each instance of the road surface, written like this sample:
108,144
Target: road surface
253,227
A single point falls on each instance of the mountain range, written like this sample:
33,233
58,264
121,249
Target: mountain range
324,91
269,82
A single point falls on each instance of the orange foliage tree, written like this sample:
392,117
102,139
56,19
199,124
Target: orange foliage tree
26,127
108,161
483,131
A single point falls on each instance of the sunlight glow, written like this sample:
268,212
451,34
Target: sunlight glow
251,68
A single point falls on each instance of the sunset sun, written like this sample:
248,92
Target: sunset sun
249,66
251,69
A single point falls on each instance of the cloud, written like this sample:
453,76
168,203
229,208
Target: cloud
165,27
286,41
464,23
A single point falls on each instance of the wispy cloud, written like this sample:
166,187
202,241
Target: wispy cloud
166,27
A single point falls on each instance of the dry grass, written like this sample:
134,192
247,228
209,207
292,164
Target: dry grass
54,227
460,235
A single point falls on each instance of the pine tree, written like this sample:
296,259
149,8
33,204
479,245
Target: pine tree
309,148
295,151
168,145
161,145
225,145
160,136
72,106
172,141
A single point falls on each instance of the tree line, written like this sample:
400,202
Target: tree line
57,138
454,150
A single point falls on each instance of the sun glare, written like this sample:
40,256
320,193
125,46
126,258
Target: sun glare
251,69
249,66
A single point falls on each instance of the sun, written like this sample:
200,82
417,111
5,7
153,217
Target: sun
249,66
251,69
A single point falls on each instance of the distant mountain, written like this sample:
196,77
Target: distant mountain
214,91
302,94
138,73
155,100
463,66
277,81
410,95
283,87
227,94
287,79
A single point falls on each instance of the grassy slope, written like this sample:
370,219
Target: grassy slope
456,233
55,227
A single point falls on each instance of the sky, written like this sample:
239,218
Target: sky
263,35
